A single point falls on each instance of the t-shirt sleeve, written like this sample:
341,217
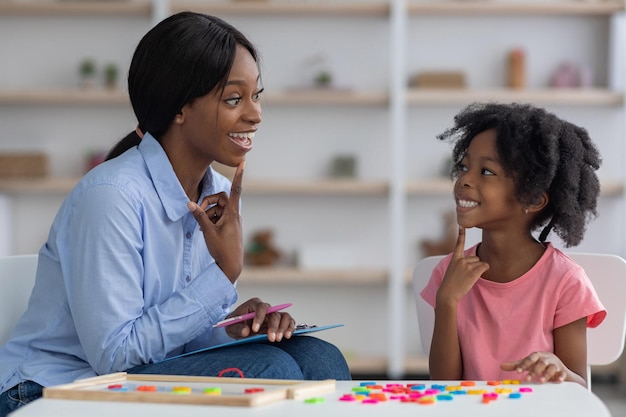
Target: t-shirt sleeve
579,299
429,292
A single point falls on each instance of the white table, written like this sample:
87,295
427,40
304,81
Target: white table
550,400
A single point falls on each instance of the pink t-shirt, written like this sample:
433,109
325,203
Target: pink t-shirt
504,322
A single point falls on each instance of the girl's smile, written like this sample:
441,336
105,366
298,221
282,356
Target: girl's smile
463,203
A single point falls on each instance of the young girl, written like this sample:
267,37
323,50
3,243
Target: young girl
143,256
514,306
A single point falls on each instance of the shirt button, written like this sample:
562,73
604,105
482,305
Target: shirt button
188,235
188,278
224,306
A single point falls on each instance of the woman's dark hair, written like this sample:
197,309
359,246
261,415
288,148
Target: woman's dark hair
542,153
183,57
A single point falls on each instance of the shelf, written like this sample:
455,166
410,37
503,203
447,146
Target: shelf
370,365
466,8
76,8
326,96
416,364
414,96
55,185
45,185
286,8
564,97
296,276
443,187
611,189
144,8
102,96
317,187
436,186
366,365
95,96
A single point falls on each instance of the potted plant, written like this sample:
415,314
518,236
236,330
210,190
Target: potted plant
87,70
111,72
323,79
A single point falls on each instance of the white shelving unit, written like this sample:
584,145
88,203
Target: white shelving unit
373,223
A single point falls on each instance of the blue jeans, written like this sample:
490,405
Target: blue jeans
19,395
301,357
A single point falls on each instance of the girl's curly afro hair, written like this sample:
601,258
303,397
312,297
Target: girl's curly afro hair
542,153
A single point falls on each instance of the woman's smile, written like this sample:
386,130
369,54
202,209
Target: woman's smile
243,139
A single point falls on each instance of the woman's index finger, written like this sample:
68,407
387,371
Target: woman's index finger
236,186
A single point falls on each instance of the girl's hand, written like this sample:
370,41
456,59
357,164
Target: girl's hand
541,367
277,325
461,275
221,226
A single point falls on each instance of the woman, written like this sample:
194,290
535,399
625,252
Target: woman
143,256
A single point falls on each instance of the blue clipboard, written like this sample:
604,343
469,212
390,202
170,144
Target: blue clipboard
256,338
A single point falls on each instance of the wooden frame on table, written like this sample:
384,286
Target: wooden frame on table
232,390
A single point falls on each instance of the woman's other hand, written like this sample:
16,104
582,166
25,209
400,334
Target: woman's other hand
277,325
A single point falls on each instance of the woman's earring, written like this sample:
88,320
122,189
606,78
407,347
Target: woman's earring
526,210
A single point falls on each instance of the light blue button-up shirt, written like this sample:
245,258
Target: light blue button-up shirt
124,279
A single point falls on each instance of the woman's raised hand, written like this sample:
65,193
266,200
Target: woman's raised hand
220,222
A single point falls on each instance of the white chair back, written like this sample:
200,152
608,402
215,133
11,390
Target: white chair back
605,343
17,277
425,312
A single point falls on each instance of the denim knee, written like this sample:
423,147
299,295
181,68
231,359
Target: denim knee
301,357
317,358
253,360
19,395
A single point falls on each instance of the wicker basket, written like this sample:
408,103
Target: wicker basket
23,164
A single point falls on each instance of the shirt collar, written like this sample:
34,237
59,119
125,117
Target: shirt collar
166,184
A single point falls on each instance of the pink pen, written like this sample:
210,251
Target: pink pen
248,316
